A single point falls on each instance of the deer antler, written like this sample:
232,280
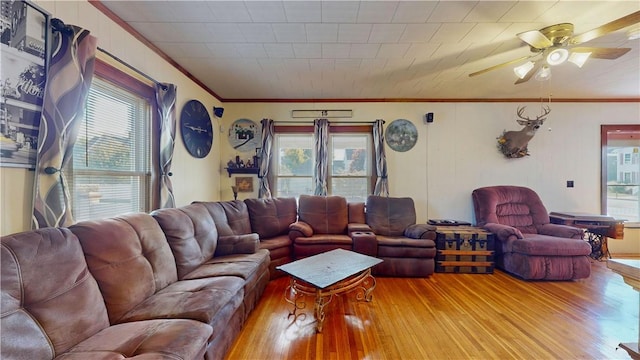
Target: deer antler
546,110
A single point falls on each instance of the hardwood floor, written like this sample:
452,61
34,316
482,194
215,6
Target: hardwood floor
453,316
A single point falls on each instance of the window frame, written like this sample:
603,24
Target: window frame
335,129
604,131
109,74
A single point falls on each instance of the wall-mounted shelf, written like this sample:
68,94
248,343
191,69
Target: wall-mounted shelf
242,171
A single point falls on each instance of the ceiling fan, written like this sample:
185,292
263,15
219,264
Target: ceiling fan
555,44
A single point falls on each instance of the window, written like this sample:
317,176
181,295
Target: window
621,172
350,154
350,167
110,172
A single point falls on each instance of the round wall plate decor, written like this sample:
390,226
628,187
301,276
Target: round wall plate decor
244,135
401,135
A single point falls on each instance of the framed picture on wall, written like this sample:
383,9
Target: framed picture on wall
244,183
24,51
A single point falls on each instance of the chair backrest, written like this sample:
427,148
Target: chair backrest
191,234
50,300
271,217
325,214
515,206
390,216
130,258
231,217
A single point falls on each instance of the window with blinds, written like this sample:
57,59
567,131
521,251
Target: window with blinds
349,156
110,170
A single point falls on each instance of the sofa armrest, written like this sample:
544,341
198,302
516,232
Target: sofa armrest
364,242
300,229
565,231
352,227
237,244
503,232
419,231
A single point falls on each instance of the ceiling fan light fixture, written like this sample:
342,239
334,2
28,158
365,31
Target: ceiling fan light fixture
543,74
557,56
522,70
579,58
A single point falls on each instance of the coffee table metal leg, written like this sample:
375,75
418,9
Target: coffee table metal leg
297,304
368,284
322,300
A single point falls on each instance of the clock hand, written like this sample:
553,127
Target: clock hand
194,128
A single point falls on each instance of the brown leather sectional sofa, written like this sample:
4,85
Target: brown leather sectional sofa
176,283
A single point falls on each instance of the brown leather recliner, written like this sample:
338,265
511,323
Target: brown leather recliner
527,244
408,249
324,224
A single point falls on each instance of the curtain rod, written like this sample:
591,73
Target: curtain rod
330,122
163,86
59,25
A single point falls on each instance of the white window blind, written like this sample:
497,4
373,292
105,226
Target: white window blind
110,171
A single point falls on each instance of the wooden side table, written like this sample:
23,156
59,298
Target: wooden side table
630,271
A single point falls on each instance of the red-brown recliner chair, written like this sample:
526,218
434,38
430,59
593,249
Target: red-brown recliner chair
527,244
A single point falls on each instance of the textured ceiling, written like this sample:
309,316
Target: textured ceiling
380,49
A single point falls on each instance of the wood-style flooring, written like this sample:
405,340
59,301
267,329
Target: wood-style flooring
453,316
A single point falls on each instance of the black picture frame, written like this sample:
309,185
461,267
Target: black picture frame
25,50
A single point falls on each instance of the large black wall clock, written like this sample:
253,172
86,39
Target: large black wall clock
196,129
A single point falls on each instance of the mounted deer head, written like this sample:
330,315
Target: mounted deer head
513,144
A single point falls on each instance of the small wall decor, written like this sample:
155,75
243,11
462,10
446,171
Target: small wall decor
244,183
244,135
514,144
401,135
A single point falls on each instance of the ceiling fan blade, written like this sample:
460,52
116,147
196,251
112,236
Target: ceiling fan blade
535,38
602,53
530,74
499,66
612,26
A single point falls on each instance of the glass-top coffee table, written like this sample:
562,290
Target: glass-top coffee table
328,274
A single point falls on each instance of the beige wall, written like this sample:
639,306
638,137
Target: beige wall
457,153
454,155
193,179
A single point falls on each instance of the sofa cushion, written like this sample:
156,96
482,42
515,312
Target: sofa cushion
152,339
237,244
330,239
275,243
191,233
390,216
325,214
535,244
198,299
130,258
271,217
244,266
50,300
230,217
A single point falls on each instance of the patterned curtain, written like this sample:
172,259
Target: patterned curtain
321,145
166,99
382,183
265,158
68,82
